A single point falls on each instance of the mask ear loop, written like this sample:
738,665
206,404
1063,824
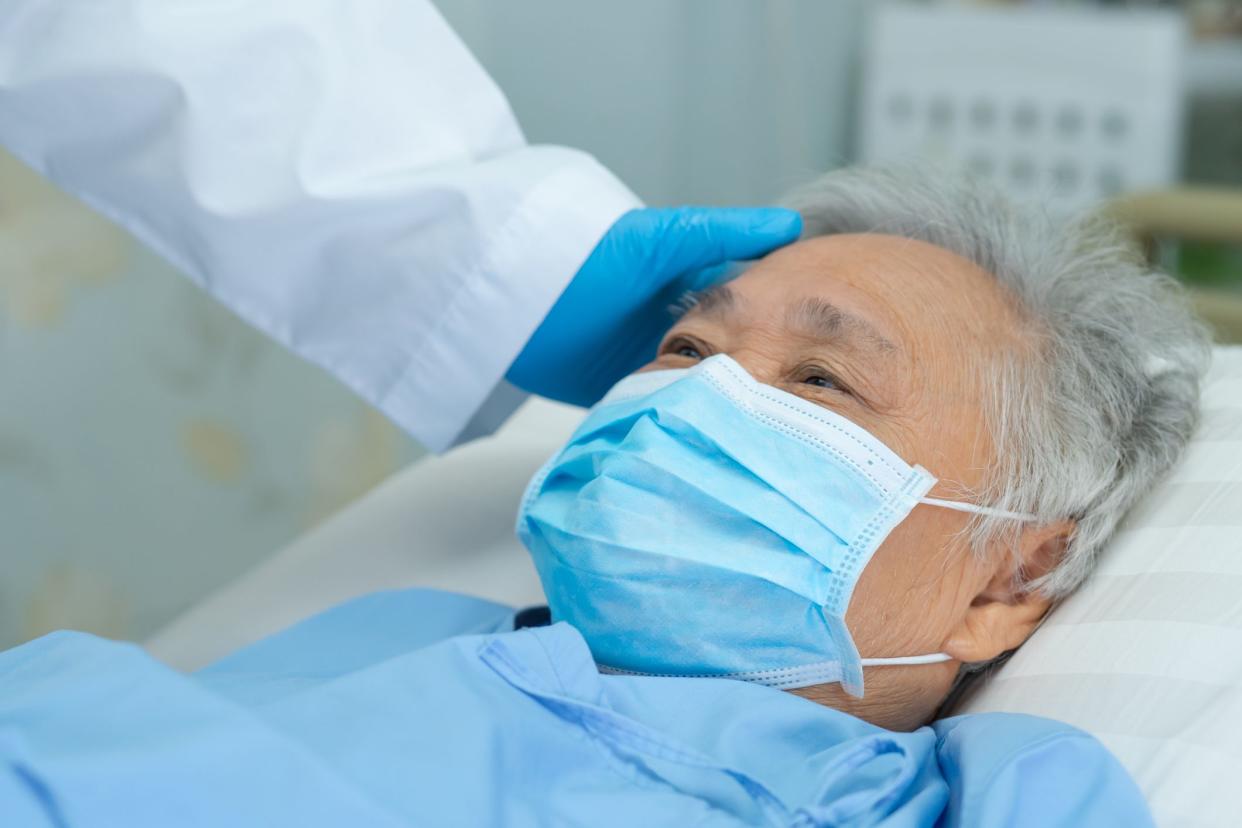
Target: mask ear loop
930,658
958,506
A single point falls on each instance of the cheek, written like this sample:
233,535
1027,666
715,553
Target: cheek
912,593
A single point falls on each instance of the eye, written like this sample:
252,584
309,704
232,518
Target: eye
688,351
685,348
818,376
820,381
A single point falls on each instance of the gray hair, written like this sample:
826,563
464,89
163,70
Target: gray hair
1099,408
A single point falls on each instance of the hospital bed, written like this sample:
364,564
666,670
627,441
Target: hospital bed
1148,656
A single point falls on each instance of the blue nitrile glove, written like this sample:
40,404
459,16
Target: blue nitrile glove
610,318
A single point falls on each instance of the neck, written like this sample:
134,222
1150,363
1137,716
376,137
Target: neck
895,698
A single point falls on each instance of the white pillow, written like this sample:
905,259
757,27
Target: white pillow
1148,656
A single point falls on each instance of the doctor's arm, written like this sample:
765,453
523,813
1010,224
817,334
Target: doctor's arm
348,179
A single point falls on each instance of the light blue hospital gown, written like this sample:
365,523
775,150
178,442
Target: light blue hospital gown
424,708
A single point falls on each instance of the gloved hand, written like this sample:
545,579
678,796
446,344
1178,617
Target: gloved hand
610,318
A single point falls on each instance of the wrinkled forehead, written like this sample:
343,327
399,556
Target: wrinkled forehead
897,298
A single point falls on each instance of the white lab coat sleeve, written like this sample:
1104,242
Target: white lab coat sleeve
341,173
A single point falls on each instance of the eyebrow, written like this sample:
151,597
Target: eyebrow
710,302
814,317
824,320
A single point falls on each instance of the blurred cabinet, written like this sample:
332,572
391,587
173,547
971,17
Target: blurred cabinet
1066,106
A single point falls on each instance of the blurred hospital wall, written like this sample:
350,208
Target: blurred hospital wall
704,101
153,448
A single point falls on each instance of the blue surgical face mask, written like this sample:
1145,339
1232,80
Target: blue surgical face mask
701,523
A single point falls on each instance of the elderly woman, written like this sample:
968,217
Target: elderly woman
847,479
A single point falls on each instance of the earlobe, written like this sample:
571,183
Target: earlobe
1002,614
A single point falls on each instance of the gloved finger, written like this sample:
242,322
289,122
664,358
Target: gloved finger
698,237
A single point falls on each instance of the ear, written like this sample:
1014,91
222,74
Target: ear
1001,614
